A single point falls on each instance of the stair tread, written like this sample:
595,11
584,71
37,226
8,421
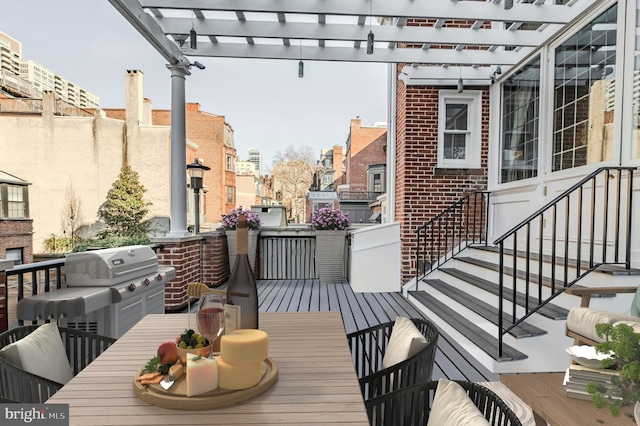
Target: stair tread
607,269
475,334
546,281
549,310
484,309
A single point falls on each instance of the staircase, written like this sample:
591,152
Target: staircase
467,290
461,298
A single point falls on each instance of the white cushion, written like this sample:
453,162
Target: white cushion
405,341
453,407
583,321
41,353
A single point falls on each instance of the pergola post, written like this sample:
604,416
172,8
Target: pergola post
178,221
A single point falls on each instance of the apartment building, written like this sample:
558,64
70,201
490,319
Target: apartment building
27,78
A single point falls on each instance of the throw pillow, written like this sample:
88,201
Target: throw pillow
41,353
453,407
405,341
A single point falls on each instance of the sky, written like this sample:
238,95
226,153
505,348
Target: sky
89,43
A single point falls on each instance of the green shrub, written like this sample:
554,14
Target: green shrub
110,242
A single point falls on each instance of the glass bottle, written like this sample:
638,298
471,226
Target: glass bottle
242,294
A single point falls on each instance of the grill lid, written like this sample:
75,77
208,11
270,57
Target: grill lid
107,267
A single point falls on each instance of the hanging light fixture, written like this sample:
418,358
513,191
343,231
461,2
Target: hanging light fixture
300,63
460,82
193,37
193,42
370,36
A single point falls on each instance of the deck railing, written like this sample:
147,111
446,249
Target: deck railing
588,225
287,254
448,233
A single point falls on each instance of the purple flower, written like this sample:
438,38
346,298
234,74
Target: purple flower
230,221
326,219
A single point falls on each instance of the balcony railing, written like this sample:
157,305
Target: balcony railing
359,195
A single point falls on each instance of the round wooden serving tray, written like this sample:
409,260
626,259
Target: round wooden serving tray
176,396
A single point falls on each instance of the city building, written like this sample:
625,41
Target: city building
246,168
255,157
15,223
54,154
27,78
355,177
365,165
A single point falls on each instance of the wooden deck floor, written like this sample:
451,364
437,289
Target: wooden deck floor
362,310
359,311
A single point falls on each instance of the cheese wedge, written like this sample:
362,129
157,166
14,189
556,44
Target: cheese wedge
244,347
202,375
238,376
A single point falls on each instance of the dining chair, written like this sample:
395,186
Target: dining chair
412,406
17,384
368,348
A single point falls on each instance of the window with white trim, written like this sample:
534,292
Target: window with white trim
459,126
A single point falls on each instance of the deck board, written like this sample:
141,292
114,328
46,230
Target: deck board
362,310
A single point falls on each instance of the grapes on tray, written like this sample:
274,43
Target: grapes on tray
189,339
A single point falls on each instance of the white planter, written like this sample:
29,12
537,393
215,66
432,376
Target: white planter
330,247
232,244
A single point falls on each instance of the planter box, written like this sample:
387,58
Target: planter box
232,244
330,246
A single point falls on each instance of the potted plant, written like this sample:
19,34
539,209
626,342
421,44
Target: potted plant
331,231
623,345
230,223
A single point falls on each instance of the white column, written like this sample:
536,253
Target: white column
391,141
178,221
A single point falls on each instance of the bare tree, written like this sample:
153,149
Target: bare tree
293,175
71,215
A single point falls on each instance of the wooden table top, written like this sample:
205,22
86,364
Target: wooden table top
544,393
317,383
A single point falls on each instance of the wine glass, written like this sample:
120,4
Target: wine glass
210,317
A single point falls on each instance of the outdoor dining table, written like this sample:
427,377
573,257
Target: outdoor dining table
316,383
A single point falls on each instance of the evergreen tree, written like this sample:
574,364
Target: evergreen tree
124,209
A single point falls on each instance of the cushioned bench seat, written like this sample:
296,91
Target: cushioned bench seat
582,320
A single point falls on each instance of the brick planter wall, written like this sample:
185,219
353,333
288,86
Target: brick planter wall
184,255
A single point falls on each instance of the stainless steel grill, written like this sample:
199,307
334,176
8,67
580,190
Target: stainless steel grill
107,291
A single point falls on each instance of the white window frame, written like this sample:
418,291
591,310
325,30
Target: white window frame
473,99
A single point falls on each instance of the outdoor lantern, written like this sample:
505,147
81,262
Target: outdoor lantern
196,172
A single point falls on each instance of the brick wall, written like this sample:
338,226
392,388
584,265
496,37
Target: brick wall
366,147
423,190
208,131
17,233
185,257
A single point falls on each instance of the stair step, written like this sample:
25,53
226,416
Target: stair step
485,310
549,310
607,269
475,334
546,281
